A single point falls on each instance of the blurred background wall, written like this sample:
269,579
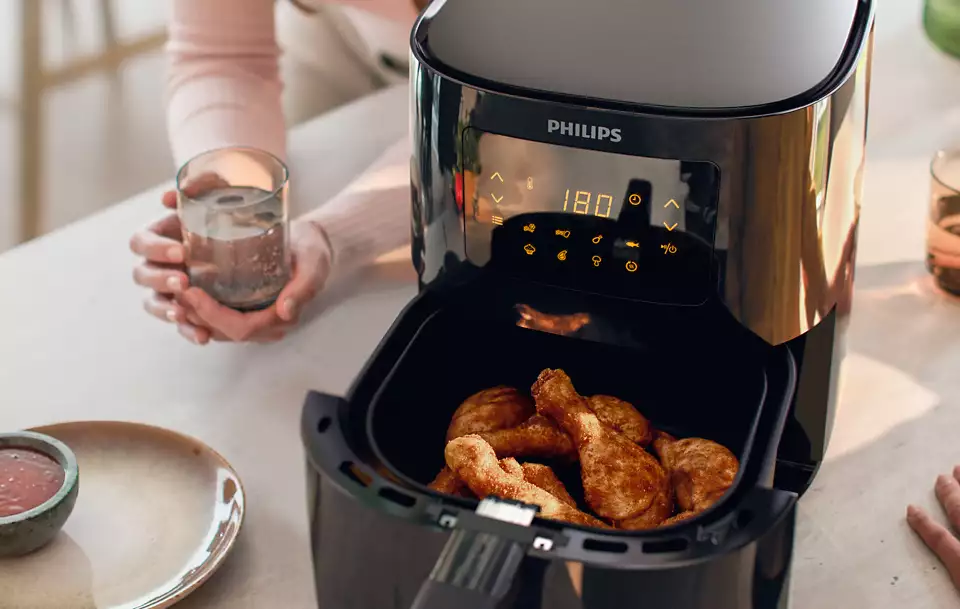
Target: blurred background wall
81,109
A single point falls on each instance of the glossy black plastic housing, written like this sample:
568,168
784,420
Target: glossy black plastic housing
385,441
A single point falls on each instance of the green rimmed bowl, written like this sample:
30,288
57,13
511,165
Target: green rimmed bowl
31,530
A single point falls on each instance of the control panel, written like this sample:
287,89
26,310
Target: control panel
627,226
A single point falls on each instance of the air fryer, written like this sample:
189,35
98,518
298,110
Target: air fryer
685,246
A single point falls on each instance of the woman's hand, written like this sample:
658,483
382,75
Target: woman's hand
940,540
199,318
161,269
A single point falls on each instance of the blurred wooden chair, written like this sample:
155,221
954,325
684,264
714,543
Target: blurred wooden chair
36,78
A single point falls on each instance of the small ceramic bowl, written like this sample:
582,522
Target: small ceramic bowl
31,530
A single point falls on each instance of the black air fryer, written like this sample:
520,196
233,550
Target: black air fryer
659,197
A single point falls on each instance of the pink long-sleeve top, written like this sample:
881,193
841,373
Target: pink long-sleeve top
224,88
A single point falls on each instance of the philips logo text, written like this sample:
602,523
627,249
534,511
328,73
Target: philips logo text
589,132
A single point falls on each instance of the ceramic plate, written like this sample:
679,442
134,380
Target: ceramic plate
156,515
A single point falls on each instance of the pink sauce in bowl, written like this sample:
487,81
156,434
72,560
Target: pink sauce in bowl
28,478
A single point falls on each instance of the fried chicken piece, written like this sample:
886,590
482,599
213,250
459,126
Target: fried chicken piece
542,476
622,482
475,462
678,518
447,482
538,437
490,410
660,509
623,417
541,438
512,467
701,470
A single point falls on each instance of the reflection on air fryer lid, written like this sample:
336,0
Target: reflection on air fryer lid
624,485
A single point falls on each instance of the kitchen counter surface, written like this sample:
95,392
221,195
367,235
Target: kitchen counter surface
74,344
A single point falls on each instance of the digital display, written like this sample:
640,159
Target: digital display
624,225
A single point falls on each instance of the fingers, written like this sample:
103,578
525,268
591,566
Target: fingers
232,324
201,336
940,541
169,199
194,334
271,335
192,327
948,493
191,315
302,288
160,279
202,183
165,309
160,242
311,264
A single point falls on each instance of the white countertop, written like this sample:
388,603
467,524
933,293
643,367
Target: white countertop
74,344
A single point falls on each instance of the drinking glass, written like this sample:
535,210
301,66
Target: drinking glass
232,204
943,223
941,20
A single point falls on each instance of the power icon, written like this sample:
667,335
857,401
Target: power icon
631,266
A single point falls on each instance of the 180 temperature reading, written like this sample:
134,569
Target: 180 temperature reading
583,203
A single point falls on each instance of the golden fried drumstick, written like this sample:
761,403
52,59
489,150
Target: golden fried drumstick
623,417
474,462
659,510
678,518
447,482
701,470
511,466
542,476
622,482
490,410
538,437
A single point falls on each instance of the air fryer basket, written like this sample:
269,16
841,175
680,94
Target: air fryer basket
692,372
683,392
